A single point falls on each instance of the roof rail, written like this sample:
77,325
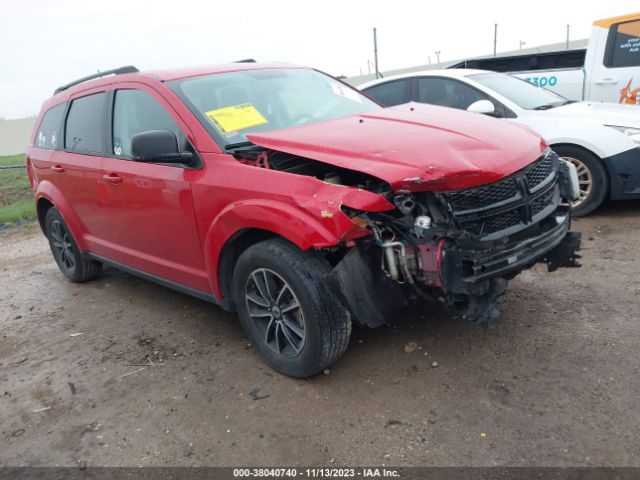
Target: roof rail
246,60
115,71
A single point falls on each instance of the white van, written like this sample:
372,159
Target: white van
607,71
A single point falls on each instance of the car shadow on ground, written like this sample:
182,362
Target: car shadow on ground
422,336
425,329
618,208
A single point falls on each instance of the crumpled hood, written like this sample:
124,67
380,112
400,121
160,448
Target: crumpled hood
414,147
594,112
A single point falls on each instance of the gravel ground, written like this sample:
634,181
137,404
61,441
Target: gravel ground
120,371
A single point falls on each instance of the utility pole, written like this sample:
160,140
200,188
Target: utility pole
568,28
522,44
495,39
368,66
437,52
375,52
429,57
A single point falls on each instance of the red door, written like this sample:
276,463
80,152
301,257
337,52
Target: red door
148,214
75,172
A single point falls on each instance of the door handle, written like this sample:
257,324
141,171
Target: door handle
57,168
607,81
112,178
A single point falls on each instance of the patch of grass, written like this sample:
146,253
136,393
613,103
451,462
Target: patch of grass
16,197
12,160
24,209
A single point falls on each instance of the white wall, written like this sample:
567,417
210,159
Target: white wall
15,135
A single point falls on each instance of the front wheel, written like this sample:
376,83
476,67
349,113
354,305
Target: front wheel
296,324
592,178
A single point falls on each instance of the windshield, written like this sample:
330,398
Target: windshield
522,93
231,105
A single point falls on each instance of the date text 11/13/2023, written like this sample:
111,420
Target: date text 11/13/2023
365,472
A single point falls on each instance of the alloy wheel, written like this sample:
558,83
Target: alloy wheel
275,311
62,245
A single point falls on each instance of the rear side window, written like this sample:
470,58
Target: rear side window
624,47
48,135
85,124
391,93
134,112
447,93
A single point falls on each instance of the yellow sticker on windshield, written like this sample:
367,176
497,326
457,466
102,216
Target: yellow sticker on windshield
236,117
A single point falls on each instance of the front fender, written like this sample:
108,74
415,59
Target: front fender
601,140
49,191
301,225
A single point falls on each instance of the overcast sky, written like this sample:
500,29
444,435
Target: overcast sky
44,44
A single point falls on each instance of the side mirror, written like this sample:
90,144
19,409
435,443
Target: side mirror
482,106
158,146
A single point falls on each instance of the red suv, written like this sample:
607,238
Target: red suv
285,195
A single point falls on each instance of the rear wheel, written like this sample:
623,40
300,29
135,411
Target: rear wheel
592,178
73,264
297,325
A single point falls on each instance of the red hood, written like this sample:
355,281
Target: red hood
414,146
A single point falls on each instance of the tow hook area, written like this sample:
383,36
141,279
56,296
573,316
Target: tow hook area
480,307
565,254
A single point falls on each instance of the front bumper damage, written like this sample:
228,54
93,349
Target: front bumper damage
474,278
466,258
372,298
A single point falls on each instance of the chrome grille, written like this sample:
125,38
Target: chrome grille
482,196
495,223
541,202
509,203
540,171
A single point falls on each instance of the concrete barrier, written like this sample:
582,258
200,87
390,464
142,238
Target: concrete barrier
15,135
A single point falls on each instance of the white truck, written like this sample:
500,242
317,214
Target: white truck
608,70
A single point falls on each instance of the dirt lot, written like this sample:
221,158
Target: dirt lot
556,381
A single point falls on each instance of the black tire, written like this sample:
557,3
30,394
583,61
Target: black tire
72,263
594,170
325,323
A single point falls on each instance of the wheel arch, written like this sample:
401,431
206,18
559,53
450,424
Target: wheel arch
231,251
49,196
241,225
42,207
596,156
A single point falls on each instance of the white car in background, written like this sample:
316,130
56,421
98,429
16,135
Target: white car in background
601,139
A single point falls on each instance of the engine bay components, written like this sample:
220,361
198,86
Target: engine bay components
463,247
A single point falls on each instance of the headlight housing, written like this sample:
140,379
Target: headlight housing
632,133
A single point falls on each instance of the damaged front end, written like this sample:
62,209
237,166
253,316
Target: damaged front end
460,247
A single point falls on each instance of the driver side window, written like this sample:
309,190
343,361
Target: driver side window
448,93
135,111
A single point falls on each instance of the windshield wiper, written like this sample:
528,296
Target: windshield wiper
548,106
245,149
232,147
